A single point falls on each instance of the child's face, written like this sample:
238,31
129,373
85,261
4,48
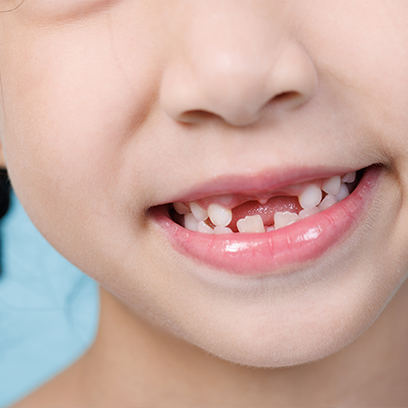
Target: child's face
112,107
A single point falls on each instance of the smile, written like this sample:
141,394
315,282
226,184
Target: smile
268,231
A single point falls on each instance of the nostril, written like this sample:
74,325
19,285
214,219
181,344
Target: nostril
285,96
286,99
243,117
237,93
195,116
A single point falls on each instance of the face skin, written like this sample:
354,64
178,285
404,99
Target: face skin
113,107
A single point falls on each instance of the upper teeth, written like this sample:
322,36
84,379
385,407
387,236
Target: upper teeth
200,214
197,218
332,185
219,215
311,197
181,208
349,177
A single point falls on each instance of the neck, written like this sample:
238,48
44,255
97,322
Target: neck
132,363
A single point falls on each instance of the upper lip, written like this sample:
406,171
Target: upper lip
252,184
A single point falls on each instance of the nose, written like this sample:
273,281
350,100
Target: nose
235,66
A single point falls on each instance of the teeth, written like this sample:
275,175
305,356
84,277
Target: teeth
199,213
344,192
349,177
308,213
219,215
251,223
332,185
181,208
310,200
203,227
282,219
311,197
222,230
190,222
327,202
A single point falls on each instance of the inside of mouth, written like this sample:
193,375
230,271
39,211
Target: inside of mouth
261,213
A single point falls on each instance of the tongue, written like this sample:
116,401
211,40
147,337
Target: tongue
266,211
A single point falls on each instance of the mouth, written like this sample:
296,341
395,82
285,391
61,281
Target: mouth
266,226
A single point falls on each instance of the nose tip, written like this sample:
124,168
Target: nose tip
236,88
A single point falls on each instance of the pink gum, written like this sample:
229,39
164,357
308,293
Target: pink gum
234,200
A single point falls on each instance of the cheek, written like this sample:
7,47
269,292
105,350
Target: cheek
361,47
44,11
64,138
67,139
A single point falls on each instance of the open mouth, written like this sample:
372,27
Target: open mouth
266,211
263,231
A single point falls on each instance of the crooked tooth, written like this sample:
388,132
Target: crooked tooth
203,227
200,214
282,219
222,230
219,215
181,208
251,223
311,197
327,202
344,192
309,212
190,222
349,177
332,185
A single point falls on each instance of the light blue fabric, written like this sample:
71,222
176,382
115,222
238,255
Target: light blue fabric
48,308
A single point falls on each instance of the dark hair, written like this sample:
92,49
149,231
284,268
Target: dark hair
5,188
4,192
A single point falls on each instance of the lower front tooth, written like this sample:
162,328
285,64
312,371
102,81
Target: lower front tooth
203,227
344,192
327,202
190,222
222,230
251,223
308,213
282,219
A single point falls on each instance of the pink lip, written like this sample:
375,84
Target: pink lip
270,180
272,252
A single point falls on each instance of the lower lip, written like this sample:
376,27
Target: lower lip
272,252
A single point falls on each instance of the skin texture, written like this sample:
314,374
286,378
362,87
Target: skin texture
112,107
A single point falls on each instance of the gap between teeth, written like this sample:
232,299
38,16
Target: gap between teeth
216,219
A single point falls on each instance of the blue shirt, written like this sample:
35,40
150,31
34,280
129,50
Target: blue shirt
48,308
